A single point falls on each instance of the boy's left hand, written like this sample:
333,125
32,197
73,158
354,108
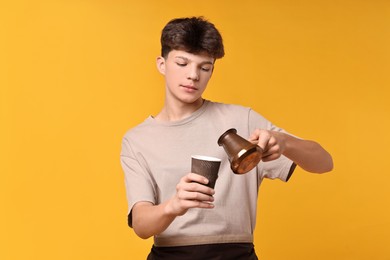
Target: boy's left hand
272,142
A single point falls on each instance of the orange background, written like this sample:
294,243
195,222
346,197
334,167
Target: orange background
76,75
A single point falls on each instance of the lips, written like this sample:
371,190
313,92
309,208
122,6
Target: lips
189,87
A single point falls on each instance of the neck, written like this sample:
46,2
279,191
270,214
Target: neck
174,112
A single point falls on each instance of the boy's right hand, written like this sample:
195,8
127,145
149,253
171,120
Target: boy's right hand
190,193
149,219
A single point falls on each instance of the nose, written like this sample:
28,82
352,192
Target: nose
193,74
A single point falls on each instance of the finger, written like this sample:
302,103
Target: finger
264,139
183,205
254,135
193,177
199,196
270,157
271,149
272,141
272,146
194,187
197,204
199,187
205,205
188,200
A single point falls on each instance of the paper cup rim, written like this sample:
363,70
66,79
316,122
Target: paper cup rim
206,158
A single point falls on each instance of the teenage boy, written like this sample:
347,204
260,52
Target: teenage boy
188,219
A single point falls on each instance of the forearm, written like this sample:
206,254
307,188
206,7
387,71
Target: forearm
150,220
308,155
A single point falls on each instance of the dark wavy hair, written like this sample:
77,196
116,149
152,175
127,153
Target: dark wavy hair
194,35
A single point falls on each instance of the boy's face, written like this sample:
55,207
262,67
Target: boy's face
186,75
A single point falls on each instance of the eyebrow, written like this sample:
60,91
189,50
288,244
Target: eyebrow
187,59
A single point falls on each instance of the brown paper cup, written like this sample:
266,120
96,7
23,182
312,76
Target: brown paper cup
206,166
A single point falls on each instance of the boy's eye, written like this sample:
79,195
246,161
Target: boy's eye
205,69
181,64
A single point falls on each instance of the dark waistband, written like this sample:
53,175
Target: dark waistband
234,251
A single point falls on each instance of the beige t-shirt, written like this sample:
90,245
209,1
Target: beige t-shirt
156,155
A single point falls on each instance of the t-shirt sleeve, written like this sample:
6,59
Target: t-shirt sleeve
139,185
281,168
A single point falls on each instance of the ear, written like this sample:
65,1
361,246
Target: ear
160,62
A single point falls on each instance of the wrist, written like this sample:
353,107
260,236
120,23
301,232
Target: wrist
169,209
283,141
